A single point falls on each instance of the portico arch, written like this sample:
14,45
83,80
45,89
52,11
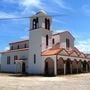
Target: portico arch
84,66
49,66
88,66
74,66
60,66
80,66
68,66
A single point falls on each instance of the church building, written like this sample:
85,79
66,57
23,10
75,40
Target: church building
45,52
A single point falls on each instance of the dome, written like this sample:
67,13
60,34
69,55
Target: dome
41,12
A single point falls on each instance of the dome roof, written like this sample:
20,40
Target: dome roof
41,12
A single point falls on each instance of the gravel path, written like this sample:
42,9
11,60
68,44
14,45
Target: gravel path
68,82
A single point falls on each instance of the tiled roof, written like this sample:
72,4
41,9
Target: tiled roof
9,51
20,41
53,51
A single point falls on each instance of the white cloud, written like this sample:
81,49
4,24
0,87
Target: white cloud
62,4
26,3
83,46
58,20
30,3
24,37
6,48
59,31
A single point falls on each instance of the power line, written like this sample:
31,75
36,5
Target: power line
12,18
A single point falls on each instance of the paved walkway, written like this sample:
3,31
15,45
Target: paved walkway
69,82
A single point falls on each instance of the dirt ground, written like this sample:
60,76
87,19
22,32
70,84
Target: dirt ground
68,82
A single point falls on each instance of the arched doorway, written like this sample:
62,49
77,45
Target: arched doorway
68,66
23,67
88,66
84,66
74,66
49,66
60,66
80,66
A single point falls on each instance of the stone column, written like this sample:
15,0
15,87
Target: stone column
71,68
64,68
17,66
86,68
89,67
77,68
21,67
81,68
55,67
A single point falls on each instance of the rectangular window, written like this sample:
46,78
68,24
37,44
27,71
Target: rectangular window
53,41
15,58
25,45
67,43
46,40
34,58
11,47
18,47
8,59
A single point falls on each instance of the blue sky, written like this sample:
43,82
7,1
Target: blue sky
74,17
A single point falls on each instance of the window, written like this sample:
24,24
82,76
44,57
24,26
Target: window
11,47
25,45
15,58
47,23
8,59
18,47
46,40
67,43
35,23
53,41
34,58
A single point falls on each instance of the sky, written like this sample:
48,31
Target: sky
71,15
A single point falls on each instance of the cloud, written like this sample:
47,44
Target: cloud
59,31
83,45
6,48
30,3
62,4
24,37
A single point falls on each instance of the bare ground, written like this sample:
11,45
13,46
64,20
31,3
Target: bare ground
68,82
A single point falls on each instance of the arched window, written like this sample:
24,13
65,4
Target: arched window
67,43
45,23
48,21
35,23
46,40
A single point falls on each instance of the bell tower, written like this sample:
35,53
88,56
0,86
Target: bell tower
40,20
39,40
